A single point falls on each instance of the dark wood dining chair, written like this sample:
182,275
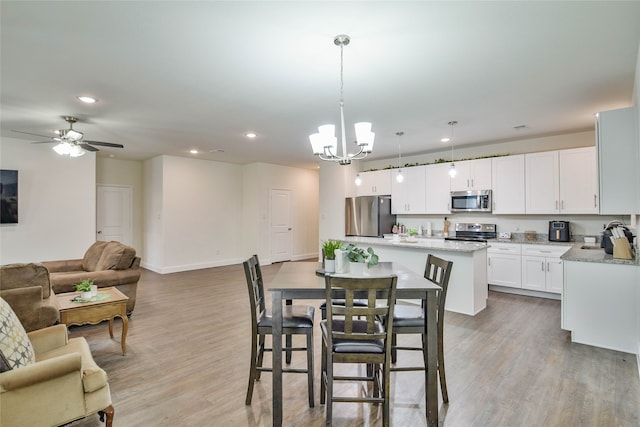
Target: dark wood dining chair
296,320
354,334
410,320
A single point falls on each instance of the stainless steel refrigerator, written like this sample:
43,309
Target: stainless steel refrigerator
368,216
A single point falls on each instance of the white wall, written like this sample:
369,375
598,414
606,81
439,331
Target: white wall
333,189
201,214
259,180
56,205
126,173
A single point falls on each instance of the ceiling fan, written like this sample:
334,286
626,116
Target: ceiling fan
71,141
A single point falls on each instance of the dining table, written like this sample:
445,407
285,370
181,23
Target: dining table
305,281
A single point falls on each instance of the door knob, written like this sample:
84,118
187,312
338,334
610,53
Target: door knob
100,232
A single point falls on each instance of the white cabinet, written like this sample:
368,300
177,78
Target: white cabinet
507,176
618,161
375,183
562,181
542,267
472,175
542,182
504,266
578,181
600,304
437,191
408,196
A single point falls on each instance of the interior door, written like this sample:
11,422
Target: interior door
281,228
113,207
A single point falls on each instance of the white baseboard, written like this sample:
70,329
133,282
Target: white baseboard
525,292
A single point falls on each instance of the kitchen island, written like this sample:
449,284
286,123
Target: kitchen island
468,290
601,299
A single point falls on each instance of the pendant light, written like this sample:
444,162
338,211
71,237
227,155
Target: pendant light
452,171
399,176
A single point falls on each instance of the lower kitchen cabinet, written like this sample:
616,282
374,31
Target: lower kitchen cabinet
542,268
504,266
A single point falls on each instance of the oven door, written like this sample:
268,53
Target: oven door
471,201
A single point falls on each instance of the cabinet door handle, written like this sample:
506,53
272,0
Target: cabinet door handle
562,205
556,205
472,182
542,265
595,203
489,259
547,266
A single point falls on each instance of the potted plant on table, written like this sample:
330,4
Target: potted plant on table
328,248
358,257
86,288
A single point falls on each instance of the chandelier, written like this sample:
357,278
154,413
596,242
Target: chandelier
325,144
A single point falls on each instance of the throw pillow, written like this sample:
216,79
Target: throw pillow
15,347
116,256
92,256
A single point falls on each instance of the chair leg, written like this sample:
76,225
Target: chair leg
443,379
394,351
288,345
109,412
329,404
323,376
253,372
387,395
260,356
310,371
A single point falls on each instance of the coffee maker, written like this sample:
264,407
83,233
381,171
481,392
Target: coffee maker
559,231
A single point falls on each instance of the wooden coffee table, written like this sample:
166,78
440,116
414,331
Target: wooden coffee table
82,313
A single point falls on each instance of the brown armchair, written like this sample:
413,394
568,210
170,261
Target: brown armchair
27,289
48,379
106,263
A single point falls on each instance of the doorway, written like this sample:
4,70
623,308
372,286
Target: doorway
281,228
114,212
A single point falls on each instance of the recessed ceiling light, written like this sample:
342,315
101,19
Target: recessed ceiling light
250,135
445,140
194,151
88,99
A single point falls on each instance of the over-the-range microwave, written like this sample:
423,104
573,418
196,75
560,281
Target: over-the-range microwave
471,201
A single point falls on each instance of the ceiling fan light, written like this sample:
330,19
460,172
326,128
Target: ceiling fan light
62,148
76,151
74,135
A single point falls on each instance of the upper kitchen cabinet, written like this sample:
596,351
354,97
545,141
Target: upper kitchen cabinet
542,183
507,176
472,175
618,161
375,183
578,181
408,196
561,182
438,191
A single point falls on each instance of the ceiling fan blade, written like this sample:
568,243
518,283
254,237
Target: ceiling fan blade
88,147
104,144
30,133
44,142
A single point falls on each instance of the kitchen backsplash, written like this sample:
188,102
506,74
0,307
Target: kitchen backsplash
581,225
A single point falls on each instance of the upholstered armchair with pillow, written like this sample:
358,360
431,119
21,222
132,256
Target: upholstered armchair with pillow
47,379
27,289
106,263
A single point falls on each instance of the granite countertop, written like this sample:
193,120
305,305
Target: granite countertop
596,254
434,243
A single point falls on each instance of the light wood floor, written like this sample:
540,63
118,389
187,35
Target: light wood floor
188,356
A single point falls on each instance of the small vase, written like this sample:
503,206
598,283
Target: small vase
94,290
329,265
357,268
86,295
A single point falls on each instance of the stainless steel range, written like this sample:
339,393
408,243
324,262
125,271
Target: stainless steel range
470,232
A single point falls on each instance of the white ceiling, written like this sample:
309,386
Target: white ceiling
171,76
